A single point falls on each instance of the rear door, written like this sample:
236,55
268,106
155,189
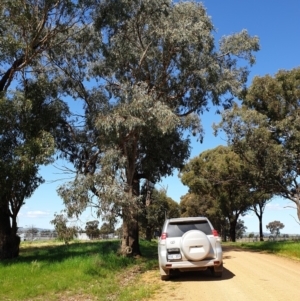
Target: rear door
184,238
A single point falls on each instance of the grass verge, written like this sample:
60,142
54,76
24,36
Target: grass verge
289,249
78,271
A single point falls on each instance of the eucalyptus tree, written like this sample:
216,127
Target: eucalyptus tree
157,206
240,229
106,229
28,124
32,113
222,175
259,204
63,231
194,204
31,233
92,229
158,70
30,30
275,227
265,131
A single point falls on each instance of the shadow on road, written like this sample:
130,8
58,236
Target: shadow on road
201,276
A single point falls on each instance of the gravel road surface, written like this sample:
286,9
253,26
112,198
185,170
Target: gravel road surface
247,276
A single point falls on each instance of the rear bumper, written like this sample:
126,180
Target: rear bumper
216,262
180,265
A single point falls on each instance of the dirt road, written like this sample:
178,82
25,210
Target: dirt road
247,276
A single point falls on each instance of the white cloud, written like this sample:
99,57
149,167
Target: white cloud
36,214
273,206
276,206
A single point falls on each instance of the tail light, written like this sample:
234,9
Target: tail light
215,232
163,236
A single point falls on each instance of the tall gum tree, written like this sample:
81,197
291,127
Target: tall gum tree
220,174
156,207
159,69
195,204
32,114
265,132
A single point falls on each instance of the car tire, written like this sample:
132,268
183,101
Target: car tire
197,240
164,274
165,277
216,274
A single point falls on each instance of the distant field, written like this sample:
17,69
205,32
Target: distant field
270,238
287,248
79,271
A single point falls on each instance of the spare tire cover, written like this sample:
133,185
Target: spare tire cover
195,245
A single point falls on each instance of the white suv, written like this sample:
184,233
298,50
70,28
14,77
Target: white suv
188,244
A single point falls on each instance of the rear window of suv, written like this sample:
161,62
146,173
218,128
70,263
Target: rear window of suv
178,229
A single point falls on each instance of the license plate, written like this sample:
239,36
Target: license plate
174,256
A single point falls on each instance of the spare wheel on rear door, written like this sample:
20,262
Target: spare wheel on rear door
195,245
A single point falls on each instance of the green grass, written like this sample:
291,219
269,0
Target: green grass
93,271
289,249
56,271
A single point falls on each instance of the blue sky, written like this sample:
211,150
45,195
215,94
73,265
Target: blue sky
277,24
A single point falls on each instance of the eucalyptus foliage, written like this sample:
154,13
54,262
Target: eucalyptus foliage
92,229
64,232
155,70
200,204
275,227
221,176
144,71
265,132
156,207
32,113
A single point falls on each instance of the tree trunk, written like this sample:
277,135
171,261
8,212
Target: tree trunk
148,233
224,234
298,208
261,234
232,230
259,213
9,240
130,240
